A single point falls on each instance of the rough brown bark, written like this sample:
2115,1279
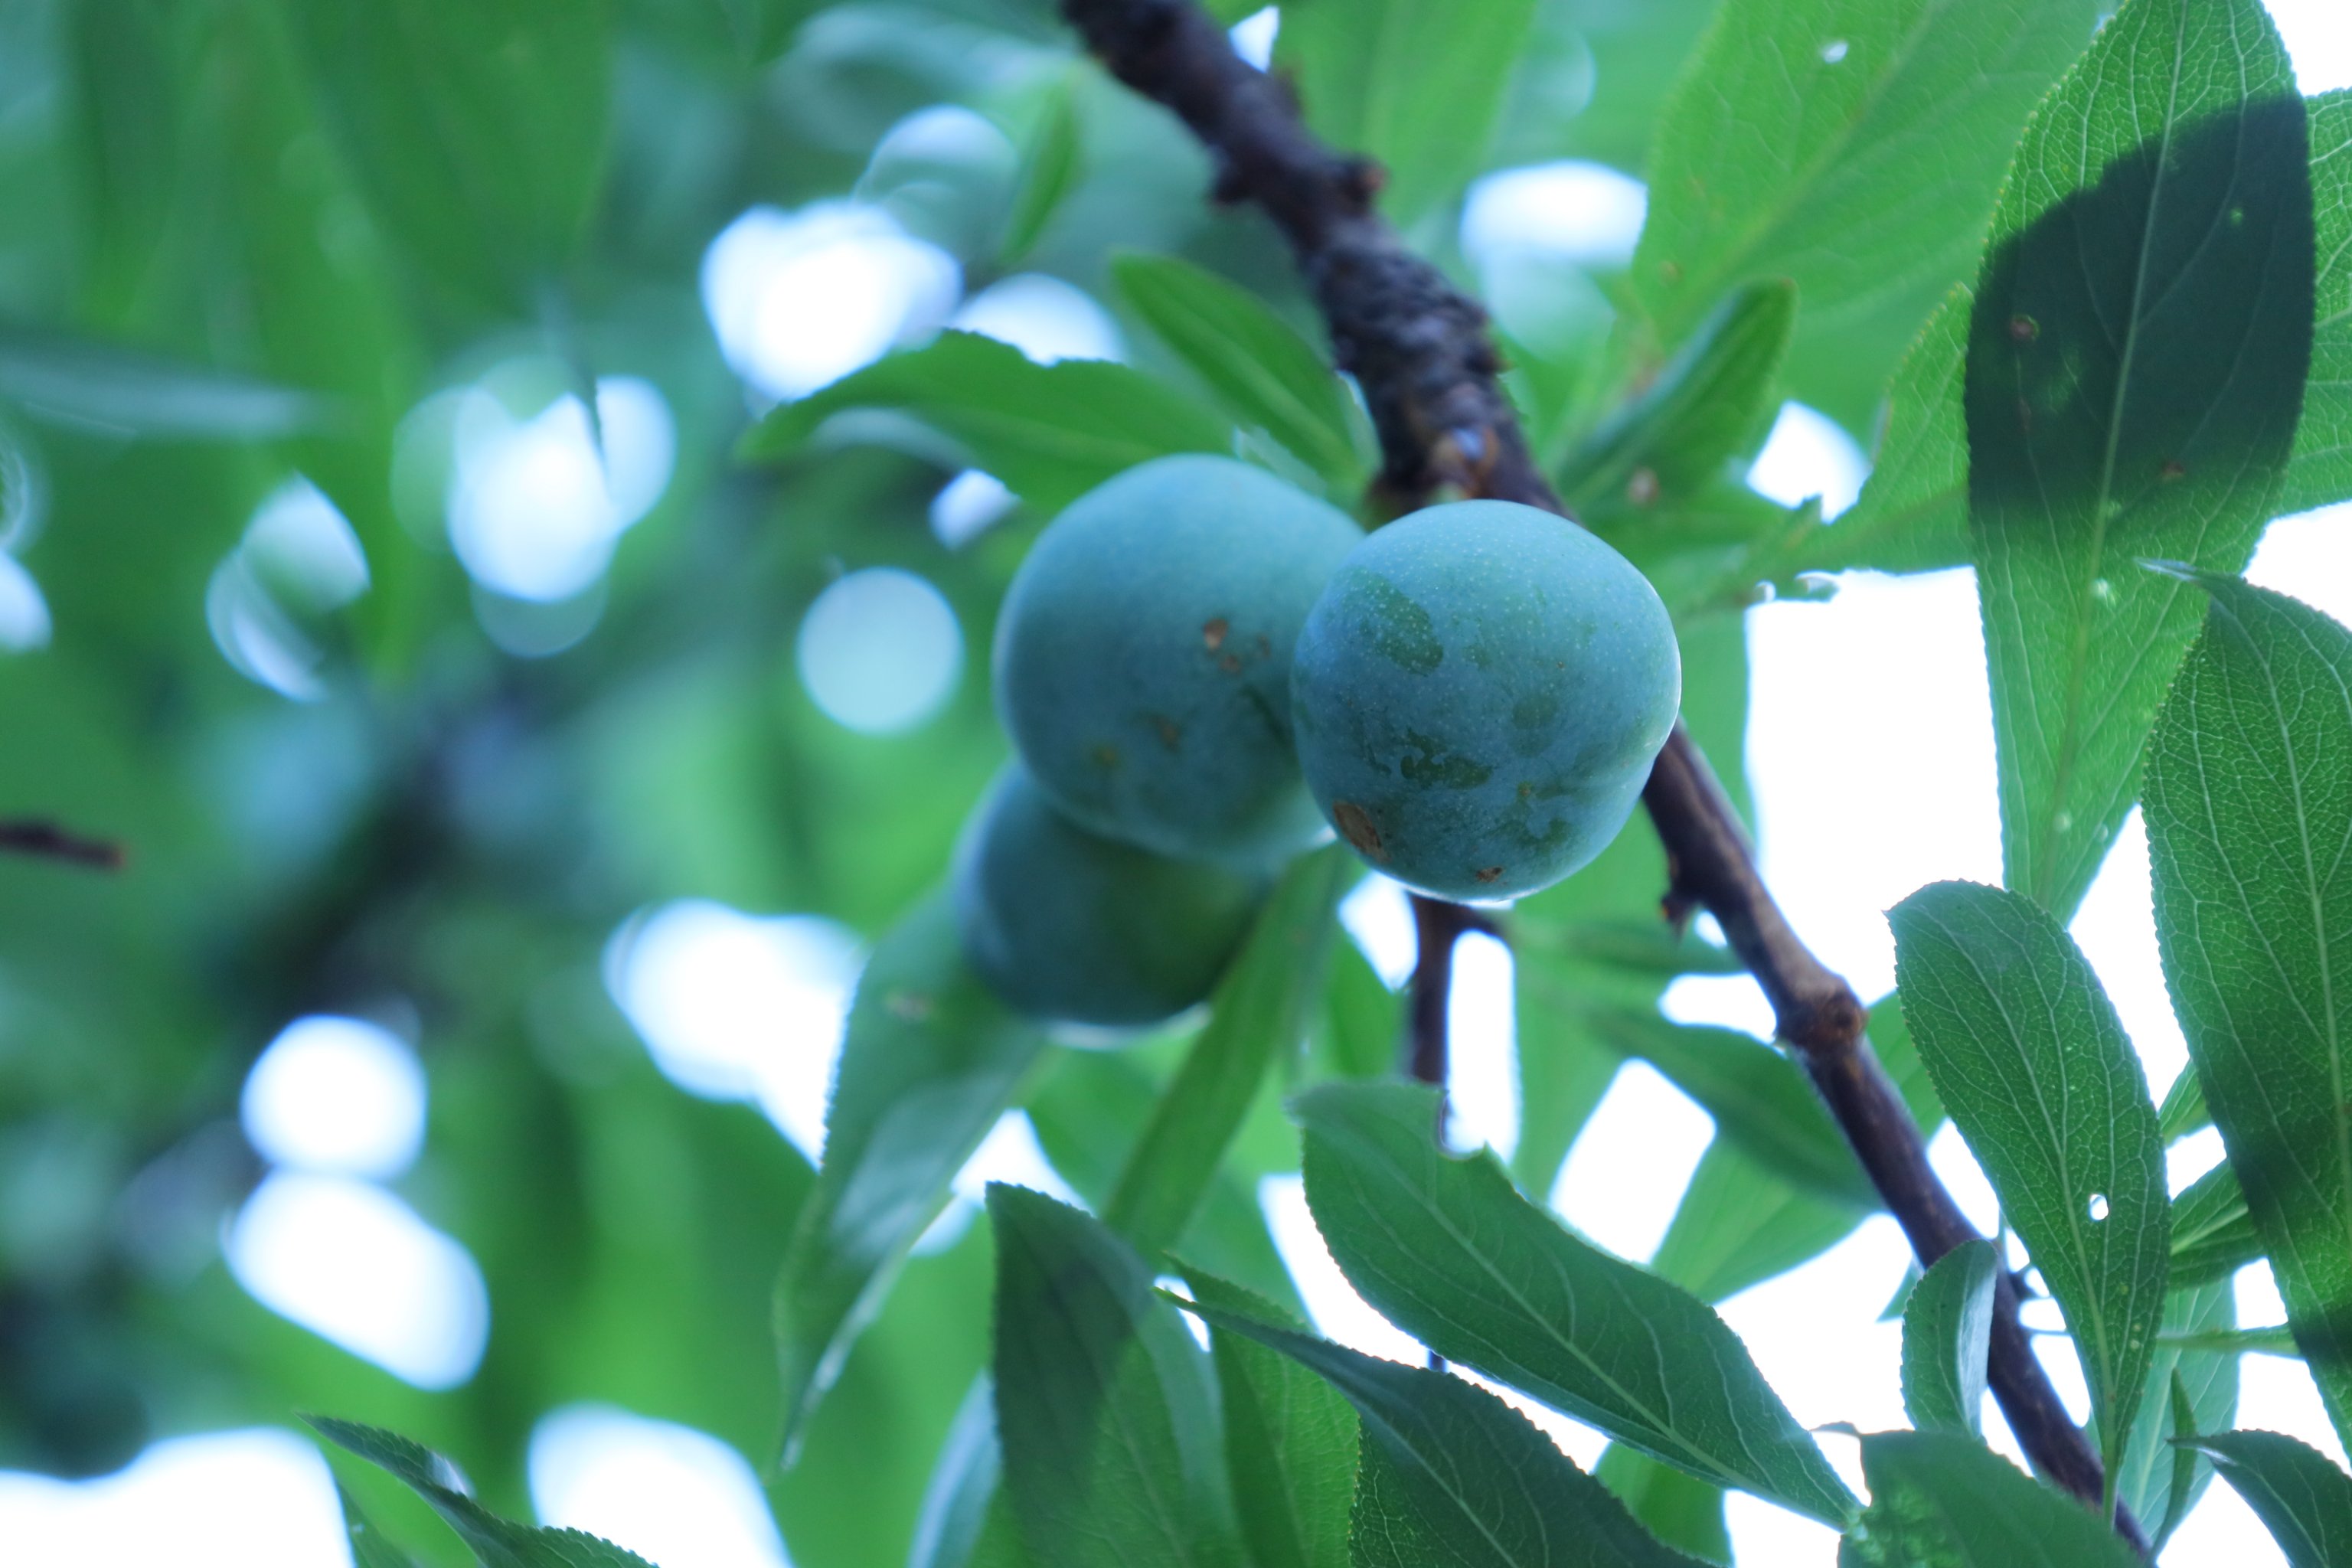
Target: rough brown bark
1419,350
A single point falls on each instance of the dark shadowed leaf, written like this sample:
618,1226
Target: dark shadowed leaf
1451,1474
930,1060
1260,370
2136,354
2031,1061
2302,1498
1941,1500
1947,1334
1414,85
2212,1234
2322,470
1051,432
2183,1110
497,1543
1448,1250
2248,814
1106,1407
1852,145
1290,1440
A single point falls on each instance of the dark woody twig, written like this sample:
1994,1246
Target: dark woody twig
1419,349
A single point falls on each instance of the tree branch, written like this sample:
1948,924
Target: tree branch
47,841
1419,350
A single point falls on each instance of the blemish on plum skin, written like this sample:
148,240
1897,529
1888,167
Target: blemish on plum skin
1491,873
1171,736
1212,632
1356,826
1230,663
1104,756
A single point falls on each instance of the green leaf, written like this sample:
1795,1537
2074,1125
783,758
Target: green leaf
2183,1110
479,131
1257,1015
2300,1496
1593,78
2322,469
1760,1101
2212,1234
1049,166
1946,1335
930,1060
1050,432
2136,354
1453,1474
1853,146
1290,1440
2029,1060
1414,85
1260,370
1913,514
963,1490
1679,1508
2246,819
370,1547
1710,403
1105,1404
1363,1020
2192,1388
80,383
1941,1500
1451,1253
495,1543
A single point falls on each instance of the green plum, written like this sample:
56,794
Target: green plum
1143,657
1478,696
1071,926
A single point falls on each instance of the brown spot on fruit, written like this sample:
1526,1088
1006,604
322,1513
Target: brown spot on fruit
2023,328
1356,826
1213,632
1489,874
1527,790
1264,646
2173,469
1105,756
1169,735
1230,663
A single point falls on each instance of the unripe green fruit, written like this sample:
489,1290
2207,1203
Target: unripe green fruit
1143,657
1479,694
1068,925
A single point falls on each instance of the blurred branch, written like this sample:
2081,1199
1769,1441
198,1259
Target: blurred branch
1419,349
47,841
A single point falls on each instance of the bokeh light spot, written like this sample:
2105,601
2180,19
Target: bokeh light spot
669,1493
338,1096
880,650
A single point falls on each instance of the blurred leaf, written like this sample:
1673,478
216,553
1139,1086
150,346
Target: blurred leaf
1414,85
2190,1389
1650,946
2183,1110
2297,1493
1453,1474
1258,1013
369,1547
1049,164
1105,1405
2253,906
963,1494
1853,146
1050,432
1451,1254
1941,1500
1946,1336
2136,354
930,1060
2322,469
1680,1509
1262,371
1708,403
1290,1440
498,1543
2027,1053
1760,1101
73,381
1913,514
479,131
2212,1234
1363,1020
1593,77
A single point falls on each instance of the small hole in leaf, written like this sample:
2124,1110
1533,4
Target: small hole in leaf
1834,51
2098,1206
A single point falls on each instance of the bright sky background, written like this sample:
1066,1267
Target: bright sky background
749,1006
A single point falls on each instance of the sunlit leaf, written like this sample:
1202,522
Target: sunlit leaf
2302,1498
1454,1255
1680,1509
2136,354
2190,1389
2212,1234
2247,815
2028,1056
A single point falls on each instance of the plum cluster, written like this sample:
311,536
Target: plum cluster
1205,671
